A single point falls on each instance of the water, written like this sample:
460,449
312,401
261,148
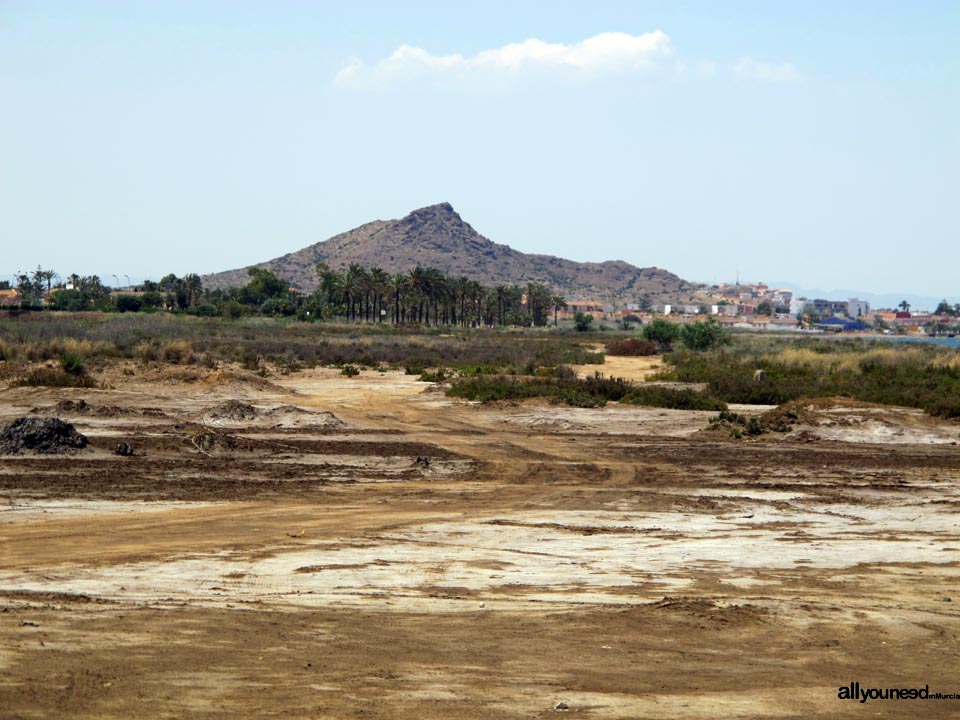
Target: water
945,341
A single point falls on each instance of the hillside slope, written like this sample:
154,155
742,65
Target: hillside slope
436,236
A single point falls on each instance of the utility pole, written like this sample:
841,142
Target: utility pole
117,282
128,281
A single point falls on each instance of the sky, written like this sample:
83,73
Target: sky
813,142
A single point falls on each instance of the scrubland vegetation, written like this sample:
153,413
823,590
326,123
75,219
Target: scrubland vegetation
913,375
284,344
66,349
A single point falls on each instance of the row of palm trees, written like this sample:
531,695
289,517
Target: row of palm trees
426,295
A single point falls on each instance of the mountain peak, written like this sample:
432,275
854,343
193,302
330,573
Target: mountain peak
441,211
439,224
436,236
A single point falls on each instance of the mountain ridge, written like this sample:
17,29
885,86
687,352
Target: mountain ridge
436,236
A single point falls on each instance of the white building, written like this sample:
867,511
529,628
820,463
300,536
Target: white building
857,308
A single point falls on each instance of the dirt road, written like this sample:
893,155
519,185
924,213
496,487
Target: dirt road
319,546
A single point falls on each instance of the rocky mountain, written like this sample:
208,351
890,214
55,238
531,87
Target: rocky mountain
436,236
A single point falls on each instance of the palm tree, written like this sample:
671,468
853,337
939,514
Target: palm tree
500,292
476,292
362,281
398,283
436,291
193,287
379,284
904,305
559,303
352,288
331,284
419,281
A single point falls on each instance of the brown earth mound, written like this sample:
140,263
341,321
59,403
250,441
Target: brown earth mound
82,407
44,436
72,407
232,410
836,419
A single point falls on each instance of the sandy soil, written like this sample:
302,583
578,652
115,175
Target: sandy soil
333,547
628,368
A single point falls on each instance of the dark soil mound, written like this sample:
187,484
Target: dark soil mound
232,410
82,407
73,407
45,436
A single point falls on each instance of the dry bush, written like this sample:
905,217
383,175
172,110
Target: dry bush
177,352
55,377
147,351
43,350
632,347
88,348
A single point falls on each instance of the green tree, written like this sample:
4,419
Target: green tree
128,303
398,286
663,332
559,303
704,335
264,284
765,308
379,282
582,321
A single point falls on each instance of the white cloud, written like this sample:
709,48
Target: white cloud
603,53
747,67
606,53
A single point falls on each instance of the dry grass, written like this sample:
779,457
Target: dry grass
852,361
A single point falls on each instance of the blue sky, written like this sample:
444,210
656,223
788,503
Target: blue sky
817,142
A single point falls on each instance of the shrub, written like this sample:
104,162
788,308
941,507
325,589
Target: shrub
582,321
177,352
206,310
128,303
607,388
439,376
151,299
657,396
55,377
703,335
232,309
249,360
487,388
415,367
662,332
148,351
72,364
631,347
350,370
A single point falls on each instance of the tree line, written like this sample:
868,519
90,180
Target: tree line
423,295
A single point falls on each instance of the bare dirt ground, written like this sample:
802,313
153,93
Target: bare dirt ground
628,368
319,546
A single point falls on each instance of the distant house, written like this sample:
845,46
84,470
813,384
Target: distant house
588,307
9,298
857,308
839,324
783,321
826,308
584,306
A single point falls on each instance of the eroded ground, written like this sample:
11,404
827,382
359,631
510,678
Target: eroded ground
319,546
